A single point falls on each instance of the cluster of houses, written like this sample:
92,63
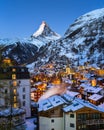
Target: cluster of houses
64,112
78,105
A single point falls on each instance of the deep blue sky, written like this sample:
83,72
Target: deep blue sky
21,18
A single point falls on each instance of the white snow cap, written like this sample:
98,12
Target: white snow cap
45,30
86,19
40,30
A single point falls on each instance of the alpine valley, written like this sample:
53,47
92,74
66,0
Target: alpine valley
82,42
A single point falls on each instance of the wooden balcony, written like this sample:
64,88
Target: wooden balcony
91,122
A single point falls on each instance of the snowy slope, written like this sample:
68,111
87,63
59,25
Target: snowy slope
20,52
25,50
44,35
86,38
86,19
82,42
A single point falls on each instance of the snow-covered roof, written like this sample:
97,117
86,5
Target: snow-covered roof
91,89
13,112
50,102
33,89
37,83
71,93
66,80
95,97
34,104
79,103
100,78
72,104
73,107
101,105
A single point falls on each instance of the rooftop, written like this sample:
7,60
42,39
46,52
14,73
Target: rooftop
71,103
95,97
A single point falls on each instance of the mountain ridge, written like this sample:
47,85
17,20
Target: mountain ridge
40,38
45,30
82,42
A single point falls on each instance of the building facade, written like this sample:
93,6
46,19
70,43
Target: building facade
15,88
67,113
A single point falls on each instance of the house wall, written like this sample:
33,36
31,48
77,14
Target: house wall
46,123
70,122
16,88
5,93
24,95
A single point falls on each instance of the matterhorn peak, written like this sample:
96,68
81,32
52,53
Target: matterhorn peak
40,30
45,31
44,24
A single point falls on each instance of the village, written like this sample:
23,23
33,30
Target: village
69,98
60,97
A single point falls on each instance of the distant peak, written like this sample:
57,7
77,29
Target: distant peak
41,29
45,31
43,23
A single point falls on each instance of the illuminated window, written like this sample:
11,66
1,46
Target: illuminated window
13,76
15,98
15,105
13,70
14,83
15,91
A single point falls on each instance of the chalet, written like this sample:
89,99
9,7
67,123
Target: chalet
96,99
87,90
67,113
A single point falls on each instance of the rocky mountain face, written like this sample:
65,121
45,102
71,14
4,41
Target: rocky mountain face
45,31
82,42
25,50
19,52
44,35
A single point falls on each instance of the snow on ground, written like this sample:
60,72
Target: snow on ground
30,125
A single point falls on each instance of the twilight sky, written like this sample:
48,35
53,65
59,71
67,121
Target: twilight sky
21,18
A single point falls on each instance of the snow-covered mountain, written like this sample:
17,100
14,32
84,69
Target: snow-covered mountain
82,42
21,52
25,50
44,35
45,31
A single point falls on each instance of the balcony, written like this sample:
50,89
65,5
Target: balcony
91,122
